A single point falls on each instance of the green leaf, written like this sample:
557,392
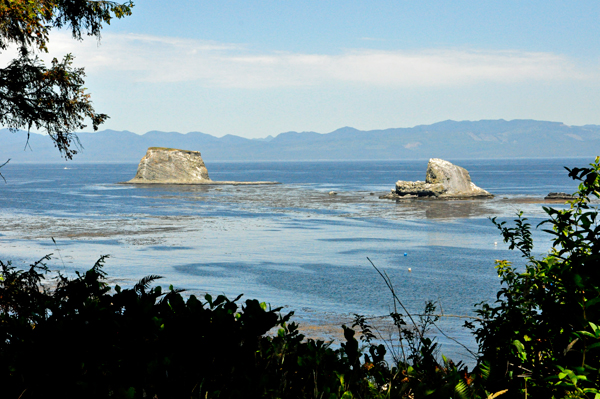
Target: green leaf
130,393
520,348
586,334
594,345
592,302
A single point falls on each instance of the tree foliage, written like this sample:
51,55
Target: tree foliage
52,99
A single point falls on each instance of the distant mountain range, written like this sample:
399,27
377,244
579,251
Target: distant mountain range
448,139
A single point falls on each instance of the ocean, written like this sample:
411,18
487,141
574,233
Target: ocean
291,245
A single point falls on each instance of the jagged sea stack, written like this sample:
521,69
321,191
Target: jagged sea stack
170,165
443,180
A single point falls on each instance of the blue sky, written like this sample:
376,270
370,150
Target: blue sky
258,68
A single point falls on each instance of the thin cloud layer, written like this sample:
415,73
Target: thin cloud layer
161,59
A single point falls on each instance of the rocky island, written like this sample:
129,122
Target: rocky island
173,166
559,196
443,180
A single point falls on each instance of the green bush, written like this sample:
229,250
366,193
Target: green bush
541,338
80,340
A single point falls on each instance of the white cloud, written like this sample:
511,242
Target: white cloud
163,59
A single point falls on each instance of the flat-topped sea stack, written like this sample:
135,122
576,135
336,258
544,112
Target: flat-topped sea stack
173,166
443,180
170,165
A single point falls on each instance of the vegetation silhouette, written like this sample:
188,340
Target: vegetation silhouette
541,337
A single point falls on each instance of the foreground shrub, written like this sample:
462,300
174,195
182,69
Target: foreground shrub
82,340
542,337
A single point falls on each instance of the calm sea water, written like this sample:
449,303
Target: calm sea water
292,244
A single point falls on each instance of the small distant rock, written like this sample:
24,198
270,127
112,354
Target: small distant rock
443,180
558,196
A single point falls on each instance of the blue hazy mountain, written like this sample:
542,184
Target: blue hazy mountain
448,139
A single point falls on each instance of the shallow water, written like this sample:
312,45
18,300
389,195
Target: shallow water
292,244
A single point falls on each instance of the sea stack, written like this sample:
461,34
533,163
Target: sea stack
443,180
171,166
559,196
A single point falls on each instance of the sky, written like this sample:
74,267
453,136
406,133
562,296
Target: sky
258,68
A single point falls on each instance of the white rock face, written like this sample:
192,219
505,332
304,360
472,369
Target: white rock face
442,180
169,165
454,178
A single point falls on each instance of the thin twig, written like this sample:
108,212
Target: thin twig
458,342
28,137
388,282
435,315
59,254
390,346
2,166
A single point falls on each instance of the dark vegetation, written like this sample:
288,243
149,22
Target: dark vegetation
80,338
